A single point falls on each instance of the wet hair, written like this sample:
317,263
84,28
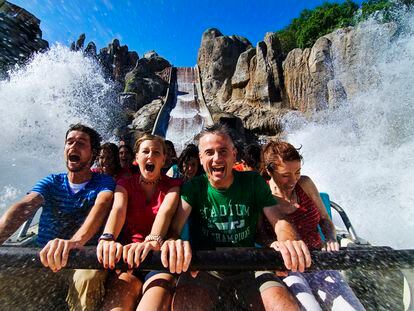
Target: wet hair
113,149
252,156
94,137
145,137
277,151
190,152
219,129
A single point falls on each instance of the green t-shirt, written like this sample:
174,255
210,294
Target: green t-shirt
226,218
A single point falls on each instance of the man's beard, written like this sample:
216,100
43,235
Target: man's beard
80,166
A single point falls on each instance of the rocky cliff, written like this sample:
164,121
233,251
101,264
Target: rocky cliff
258,86
20,36
327,74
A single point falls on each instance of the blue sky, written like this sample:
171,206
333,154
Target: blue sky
173,28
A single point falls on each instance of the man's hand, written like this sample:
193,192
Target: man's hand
176,254
295,254
56,252
108,253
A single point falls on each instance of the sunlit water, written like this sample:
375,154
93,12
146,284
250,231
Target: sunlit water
186,119
37,104
362,153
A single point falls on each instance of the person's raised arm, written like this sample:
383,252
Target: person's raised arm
56,252
325,222
295,253
108,251
18,213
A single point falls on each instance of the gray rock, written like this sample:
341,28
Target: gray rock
144,118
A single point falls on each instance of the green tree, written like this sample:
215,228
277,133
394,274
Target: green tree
304,30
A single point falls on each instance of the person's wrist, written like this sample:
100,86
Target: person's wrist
156,238
106,237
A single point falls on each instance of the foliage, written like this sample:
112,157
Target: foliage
304,30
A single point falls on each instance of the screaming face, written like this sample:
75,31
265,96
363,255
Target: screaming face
218,155
78,152
150,158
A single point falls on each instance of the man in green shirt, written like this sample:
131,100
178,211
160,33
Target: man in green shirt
224,207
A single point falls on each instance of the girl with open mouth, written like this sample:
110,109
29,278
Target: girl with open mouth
140,201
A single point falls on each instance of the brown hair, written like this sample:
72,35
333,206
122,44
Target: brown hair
149,137
277,151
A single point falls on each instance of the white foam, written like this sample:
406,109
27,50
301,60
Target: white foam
38,103
362,153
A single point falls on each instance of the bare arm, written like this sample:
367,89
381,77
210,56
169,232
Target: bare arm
175,253
166,212
95,218
116,218
56,252
295,253
326,224
181,215
283,229
109,252
18,213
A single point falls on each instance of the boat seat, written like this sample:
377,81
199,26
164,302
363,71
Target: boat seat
327,202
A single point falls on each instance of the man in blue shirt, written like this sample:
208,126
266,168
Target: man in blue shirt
74,207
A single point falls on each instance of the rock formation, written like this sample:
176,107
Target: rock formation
259,87
115,59
244,81
149,79
21,36
327,74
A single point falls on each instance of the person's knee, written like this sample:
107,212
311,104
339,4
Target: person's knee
129,282
278,298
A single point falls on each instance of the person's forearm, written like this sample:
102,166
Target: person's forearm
16,215
115,221
328,229
285,231
93,222
11,221
162,223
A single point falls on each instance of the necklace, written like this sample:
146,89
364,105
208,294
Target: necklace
146,182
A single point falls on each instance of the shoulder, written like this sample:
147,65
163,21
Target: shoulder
52,179
308,186
305,183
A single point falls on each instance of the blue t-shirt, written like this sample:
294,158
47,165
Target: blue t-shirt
63,211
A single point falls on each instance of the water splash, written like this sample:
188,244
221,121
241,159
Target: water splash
362,153
37,104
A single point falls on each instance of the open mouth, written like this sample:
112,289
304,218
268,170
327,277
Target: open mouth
218,169
74,158
149,167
